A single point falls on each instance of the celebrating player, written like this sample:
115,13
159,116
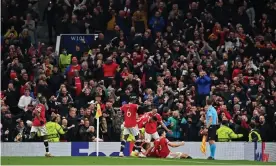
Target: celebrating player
130,125
151,125
150,151
39,123
162,145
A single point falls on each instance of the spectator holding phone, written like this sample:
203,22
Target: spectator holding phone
203,87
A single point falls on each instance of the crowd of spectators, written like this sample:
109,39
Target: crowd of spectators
170,54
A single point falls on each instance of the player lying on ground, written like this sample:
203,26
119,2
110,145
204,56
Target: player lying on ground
160,148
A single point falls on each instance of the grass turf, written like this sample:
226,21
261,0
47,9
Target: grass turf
120,161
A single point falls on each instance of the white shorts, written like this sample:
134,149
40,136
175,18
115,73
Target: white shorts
132,130
41,129
175,155
149,137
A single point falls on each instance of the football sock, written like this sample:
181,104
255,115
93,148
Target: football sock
123,142
46,144
213,150
137,146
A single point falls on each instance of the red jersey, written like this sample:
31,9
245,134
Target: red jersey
142,120
110,70
130,111
155,150
39,108
151,127
72,69
164,150
78,86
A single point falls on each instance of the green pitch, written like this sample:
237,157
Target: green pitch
120,161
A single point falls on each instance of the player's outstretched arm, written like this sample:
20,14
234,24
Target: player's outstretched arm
165,127
234,135
174,145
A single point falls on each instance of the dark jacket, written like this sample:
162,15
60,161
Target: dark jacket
265,132
85,135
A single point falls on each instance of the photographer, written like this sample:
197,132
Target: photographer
87,132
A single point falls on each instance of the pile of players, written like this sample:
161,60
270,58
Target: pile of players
150,122
143,146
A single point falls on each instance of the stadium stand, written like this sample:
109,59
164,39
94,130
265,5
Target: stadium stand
171,54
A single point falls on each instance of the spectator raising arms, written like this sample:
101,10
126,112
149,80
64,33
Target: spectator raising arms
170,56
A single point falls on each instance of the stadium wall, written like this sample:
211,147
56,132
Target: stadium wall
69,41
225,151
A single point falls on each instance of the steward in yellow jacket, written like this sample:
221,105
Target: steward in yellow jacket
254,134
225,133
64,60
54,129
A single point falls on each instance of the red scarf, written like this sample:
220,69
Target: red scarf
78,86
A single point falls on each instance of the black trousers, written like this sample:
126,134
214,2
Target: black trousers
201,100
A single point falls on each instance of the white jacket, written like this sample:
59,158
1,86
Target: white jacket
24,101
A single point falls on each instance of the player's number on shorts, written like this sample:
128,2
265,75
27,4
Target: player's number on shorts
128,113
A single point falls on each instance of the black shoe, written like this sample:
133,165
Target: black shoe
210,158
189,157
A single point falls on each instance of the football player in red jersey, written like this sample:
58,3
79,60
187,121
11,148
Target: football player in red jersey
150,151
163,147
130,111
152,124
39,123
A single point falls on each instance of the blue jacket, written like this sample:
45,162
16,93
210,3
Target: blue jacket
203,85
159,26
